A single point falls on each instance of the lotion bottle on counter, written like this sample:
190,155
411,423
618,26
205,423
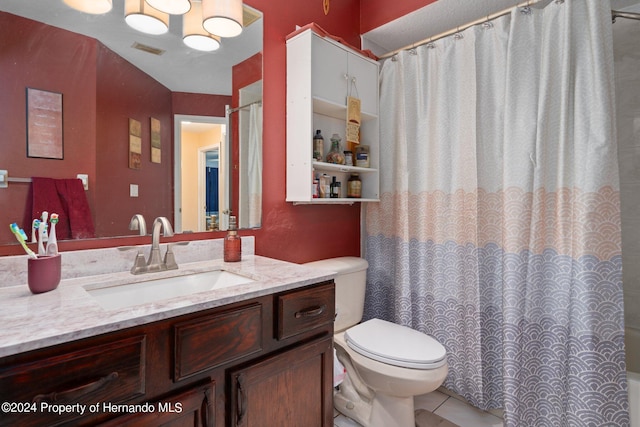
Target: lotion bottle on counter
232,243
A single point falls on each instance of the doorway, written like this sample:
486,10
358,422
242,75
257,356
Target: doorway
200,182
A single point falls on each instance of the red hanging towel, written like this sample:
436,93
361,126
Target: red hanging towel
67,198
74,200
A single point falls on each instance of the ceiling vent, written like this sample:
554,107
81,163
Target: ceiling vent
148,49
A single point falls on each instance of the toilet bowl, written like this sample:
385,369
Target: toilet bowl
386,364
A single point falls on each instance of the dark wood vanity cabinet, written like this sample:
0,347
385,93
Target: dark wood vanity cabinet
299,382
267,361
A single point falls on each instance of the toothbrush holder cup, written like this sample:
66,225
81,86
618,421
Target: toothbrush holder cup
43,273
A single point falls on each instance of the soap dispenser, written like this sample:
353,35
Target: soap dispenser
232,243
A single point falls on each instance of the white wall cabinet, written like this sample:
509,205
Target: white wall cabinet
321,73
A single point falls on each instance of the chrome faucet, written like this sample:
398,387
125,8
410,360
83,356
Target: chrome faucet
155,261
138,223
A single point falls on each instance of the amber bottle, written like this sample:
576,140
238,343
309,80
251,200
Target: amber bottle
232,243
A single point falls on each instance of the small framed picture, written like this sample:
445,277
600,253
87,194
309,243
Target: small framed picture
44,124
135,144
155,141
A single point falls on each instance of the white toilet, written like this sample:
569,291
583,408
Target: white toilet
387,364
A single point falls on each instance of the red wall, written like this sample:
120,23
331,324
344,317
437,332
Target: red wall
298,233
198,104
124,92
28,59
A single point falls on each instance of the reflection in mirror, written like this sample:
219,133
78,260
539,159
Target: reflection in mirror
249,118
201,187
104,82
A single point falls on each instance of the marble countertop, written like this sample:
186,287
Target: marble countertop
69,313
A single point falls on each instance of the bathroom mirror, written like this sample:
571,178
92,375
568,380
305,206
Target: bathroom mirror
191,84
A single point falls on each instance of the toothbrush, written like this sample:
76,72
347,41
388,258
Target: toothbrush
44,236
35,225
21,237
42,233
52,245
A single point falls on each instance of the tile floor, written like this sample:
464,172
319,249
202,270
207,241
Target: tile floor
449,408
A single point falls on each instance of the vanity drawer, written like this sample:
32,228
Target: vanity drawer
209,341
112,372
305,309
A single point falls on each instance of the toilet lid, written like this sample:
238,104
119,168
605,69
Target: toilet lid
395,345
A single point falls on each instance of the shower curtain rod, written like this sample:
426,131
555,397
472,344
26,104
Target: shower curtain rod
614,15
235,110
628,15
459,29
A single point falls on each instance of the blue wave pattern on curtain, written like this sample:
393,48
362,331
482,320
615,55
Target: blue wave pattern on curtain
498,230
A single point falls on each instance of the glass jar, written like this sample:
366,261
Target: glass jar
335,155
354,186
348,158
362,156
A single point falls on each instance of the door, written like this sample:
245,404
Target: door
293,389
193,408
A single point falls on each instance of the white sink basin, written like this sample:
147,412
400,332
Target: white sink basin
131,294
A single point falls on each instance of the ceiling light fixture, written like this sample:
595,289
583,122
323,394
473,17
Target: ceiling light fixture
142,17
172,7
194,34
222,17
90,6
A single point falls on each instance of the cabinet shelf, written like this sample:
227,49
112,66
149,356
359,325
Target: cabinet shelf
337,111
332,167
341,201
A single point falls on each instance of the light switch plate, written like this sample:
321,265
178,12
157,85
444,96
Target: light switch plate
133,190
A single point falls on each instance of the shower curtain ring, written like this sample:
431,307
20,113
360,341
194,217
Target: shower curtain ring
458,35
487,24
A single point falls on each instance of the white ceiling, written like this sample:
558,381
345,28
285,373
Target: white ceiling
444,15
180,68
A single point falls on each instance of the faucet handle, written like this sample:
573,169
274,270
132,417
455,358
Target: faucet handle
169,257
140,264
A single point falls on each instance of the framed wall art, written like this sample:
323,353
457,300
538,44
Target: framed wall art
44,124
135,144
155,141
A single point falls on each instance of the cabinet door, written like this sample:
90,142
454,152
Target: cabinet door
363,81
293,388
193,408
329,71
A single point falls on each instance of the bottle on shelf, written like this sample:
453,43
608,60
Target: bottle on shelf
348,158
354,186
318,146
336,189
362,156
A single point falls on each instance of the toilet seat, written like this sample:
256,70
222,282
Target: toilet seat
395,345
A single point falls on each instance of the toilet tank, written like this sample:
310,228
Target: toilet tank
351,280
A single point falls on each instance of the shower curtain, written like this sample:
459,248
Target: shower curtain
254,165
498,227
